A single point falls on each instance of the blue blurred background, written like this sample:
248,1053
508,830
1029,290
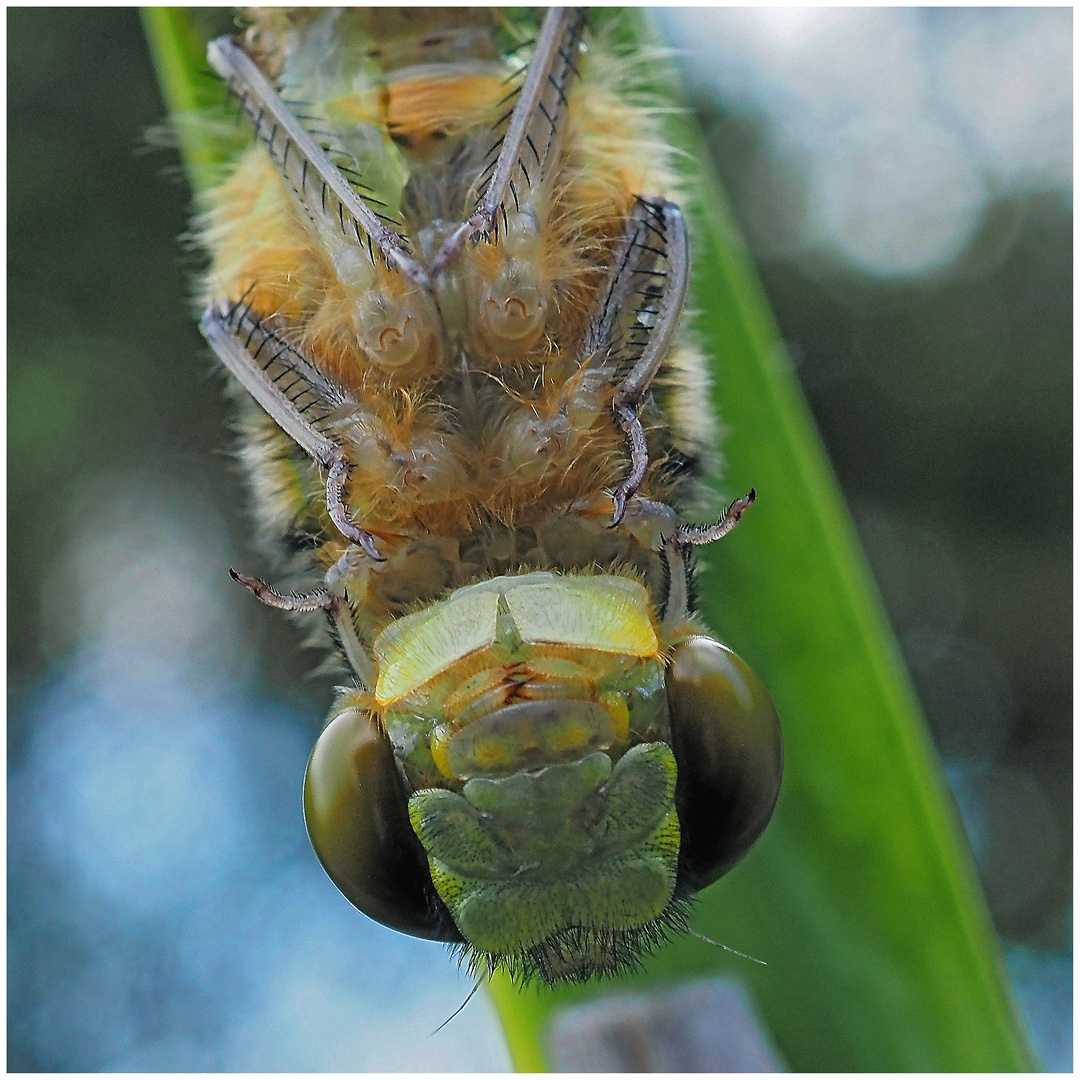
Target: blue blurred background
903,178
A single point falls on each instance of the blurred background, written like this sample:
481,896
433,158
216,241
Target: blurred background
903,179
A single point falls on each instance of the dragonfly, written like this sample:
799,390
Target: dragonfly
447,277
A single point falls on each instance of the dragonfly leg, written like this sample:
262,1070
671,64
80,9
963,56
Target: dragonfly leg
686,535
320,600
634,320
294,392
335,507
676,549
660,244
316,181
529,143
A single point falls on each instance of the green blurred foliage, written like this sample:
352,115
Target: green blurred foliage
946,406
106,369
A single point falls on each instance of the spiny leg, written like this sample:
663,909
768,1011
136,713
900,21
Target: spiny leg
635,319
666,241
639,459
664,237
706,534
335,507
676,550
293,392
358,657
530,143
336,607
320,600
289,387
319,184
677,606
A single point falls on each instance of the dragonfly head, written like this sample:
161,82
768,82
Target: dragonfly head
540,779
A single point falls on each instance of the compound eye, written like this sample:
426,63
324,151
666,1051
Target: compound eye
357,818
730,753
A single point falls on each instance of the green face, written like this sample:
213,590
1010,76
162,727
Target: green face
543,870
528,726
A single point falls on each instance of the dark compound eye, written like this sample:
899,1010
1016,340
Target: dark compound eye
356,814
730,753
